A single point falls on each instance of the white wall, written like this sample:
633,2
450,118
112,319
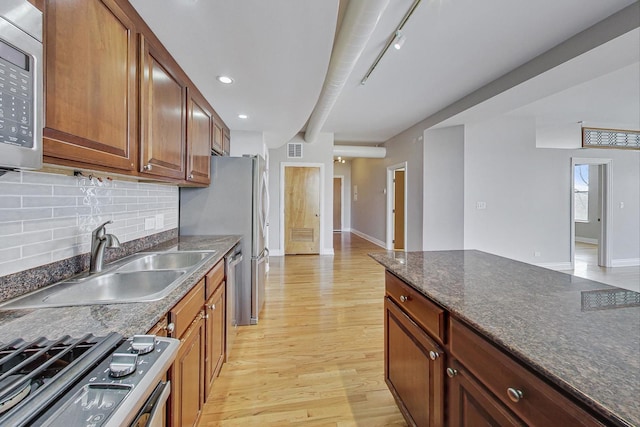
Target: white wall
49,217
368,212
246,142
443,208
527,194
344,170
318,152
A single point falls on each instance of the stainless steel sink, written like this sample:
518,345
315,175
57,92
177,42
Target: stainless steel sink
164,261
138,278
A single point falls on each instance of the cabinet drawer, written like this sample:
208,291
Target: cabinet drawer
539,404
187,309
427,314
214,277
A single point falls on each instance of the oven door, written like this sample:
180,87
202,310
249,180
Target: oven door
154,411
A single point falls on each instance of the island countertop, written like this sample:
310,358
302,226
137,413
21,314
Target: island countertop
553,322
100,319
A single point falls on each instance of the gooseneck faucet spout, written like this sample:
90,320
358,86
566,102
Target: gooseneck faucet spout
99,241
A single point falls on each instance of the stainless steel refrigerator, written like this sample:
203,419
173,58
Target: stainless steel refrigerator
236,202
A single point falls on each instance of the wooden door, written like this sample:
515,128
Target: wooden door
337,204
162,115
415,378
215,330
199,139
471,405
301,210
90,85
187,376
398,209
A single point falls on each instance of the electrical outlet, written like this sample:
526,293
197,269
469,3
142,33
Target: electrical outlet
536,253
149,223
481,205
159,221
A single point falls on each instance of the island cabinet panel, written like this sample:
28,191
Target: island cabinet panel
163,112
199,139
414,368
524,393
471,405
90,85
427,314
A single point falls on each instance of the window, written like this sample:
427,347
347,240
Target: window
581,193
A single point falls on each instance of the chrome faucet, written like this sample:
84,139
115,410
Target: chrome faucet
99,241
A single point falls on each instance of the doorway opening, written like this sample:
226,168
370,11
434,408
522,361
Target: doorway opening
397,206
338,203
590,218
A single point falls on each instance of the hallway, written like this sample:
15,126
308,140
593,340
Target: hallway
316,356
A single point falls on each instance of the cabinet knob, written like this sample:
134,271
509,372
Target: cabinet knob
433,355
514,394
212,307
404,298
452,372
170,327
190,177
147,167
205,316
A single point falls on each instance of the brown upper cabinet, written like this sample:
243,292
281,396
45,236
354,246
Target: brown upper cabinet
226,142
90,85
200,127
163,112
111,96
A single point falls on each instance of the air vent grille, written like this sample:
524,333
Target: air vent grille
294,150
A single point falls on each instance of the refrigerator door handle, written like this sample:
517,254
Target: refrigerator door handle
235,260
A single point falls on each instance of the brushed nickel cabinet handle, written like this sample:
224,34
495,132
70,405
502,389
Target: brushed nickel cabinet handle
433,355
170,327
514,394
452,372
404,298
147,167
212,307
190,177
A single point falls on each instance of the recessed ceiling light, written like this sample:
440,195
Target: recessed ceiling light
225,79
242,116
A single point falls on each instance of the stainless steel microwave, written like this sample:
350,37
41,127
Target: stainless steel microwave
21,85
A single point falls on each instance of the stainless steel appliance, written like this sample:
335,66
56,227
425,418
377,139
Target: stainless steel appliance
236,202
89,381
233,272
20,85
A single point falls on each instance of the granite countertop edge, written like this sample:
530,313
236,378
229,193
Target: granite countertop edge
126,319
411,275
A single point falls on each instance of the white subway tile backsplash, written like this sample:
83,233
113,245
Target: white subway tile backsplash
49,217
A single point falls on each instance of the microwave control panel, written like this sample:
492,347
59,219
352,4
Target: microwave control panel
16,97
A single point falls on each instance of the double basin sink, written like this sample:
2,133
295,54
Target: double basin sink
140,277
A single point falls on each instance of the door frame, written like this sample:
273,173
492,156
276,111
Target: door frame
390,202
341,177
283,166
606,185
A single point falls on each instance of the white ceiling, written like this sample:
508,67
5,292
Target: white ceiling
278,52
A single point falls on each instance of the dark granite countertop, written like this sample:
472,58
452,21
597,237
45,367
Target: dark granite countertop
538,315
126,319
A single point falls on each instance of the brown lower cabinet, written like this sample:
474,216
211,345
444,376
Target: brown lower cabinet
215,324
485,386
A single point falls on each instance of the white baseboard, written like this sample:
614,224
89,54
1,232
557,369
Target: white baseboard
276,252
560,266
587,240
369,238
327,251
630,262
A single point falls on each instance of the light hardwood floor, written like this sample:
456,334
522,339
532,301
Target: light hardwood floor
586,265
316,356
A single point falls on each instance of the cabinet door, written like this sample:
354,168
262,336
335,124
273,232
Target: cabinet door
215,330
414,369
90,85
199,140
162,114
226,142
471,405
218,137
187,376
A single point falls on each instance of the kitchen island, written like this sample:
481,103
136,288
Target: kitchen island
576,337
126,319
